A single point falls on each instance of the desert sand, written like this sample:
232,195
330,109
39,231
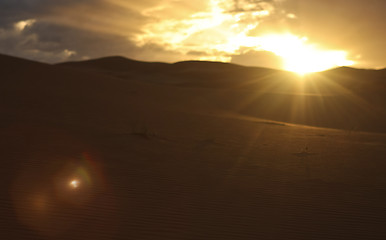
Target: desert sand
119,149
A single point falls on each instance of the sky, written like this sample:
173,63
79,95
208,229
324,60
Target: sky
295,35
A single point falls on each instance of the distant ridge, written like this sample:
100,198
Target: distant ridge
210,74
123,67
11,63
8,59
346,69
116,63
15,66
203,74
353,68
120,63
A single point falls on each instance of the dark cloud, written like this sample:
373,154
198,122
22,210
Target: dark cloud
54,43
65,30
197,53
16,10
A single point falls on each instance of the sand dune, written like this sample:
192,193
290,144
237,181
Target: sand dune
343,98
190,151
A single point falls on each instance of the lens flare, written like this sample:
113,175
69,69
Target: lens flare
74,183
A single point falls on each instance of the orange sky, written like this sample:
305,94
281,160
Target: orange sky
296,35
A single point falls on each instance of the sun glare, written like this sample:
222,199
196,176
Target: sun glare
223,31
301,57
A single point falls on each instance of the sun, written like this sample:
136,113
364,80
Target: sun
301,57
220,32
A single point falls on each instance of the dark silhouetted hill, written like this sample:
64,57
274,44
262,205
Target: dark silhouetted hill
112,88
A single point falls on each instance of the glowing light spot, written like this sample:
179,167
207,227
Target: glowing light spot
291,16
21,25
301,57
74,184
68,53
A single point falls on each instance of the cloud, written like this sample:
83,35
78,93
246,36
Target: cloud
258,58
249,28
104,16
169,30
21,25
12,11
21,40
61,30
222,27
353,25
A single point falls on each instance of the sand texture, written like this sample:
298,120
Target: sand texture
192,150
